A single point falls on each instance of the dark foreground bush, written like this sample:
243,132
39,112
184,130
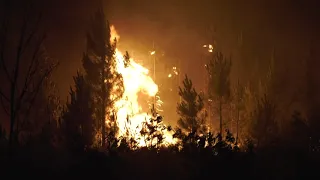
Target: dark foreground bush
161,164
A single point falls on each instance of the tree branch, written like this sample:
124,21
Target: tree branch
31,36
13,87
3,45
37,88
22,46
32,69
6,110
4,96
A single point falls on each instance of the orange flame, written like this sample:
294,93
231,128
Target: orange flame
136,81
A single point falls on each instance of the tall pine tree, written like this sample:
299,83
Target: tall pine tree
238,107
100,65
191,108
218,70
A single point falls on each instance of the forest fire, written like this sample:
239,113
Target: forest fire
130,114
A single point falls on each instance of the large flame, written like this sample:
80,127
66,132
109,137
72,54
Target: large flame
136,82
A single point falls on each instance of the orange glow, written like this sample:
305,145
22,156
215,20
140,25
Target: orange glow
210,47
137,82
152,53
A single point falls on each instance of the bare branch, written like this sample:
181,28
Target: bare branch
2,50
35,93
31,36
21,47
21,39
4,96
32,69
6,110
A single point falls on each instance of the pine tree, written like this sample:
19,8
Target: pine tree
238,104
100,65
191,108
78,116
218,70
261,109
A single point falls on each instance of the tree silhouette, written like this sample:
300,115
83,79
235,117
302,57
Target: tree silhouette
238,105
263,125
218,69
24,64
312,105
153,129
100,67
191,108
44,114
299,133
78,116
41,130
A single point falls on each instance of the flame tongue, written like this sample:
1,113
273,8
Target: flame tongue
136,80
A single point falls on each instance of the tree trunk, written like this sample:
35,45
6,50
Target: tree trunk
12,115
11,136
238,118
103,108
238,112
220,114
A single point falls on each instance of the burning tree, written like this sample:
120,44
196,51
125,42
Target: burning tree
24,65
191,108
100,63
218,70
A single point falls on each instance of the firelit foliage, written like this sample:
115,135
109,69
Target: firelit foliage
191,108
207,143
152,130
